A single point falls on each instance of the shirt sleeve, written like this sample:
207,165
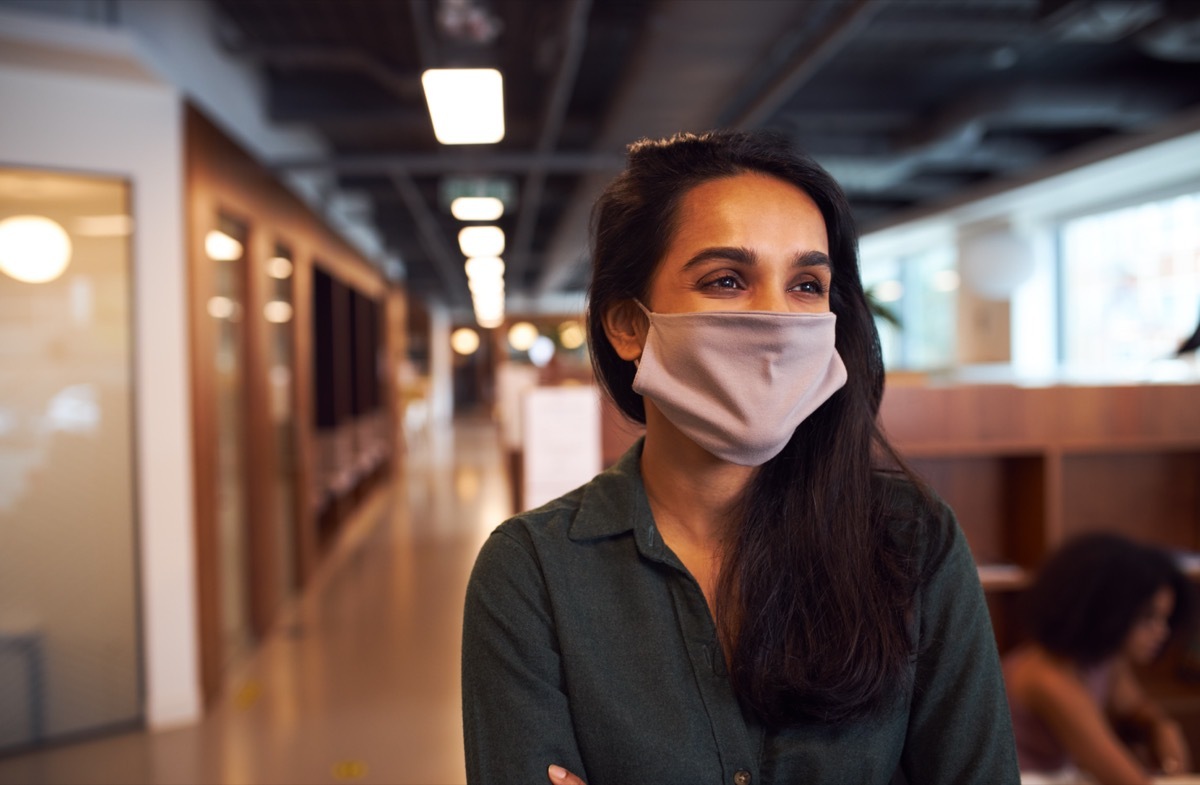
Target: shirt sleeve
960,730
516,719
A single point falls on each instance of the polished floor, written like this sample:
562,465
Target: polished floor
359,681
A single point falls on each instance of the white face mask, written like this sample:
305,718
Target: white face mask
738,383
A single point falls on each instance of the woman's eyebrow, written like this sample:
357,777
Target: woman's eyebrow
736,254
747,257
812,259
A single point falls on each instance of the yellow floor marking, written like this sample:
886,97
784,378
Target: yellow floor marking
349,770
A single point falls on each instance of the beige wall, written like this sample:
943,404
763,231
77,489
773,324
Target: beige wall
76,99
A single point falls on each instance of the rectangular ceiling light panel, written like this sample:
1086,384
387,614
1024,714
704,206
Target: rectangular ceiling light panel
465,104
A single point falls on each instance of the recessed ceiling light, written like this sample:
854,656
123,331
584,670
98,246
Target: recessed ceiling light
477,208
481,241
484,267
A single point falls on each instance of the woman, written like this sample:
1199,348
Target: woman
743,598
1099,606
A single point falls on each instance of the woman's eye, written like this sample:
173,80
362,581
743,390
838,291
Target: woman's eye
723,282
811,287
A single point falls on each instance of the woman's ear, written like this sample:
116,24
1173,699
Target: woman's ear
625,325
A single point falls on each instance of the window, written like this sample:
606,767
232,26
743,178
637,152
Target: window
1130,283
920,291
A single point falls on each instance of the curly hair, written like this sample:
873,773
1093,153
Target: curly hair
1090,593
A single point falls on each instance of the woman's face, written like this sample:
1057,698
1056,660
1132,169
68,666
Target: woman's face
1151,628
750,242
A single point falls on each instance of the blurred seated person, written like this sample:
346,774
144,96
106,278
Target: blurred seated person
1101,605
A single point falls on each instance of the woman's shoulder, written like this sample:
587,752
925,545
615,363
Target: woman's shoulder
917,520
551,519
1037,679
605,505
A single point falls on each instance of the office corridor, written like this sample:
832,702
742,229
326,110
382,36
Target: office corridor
359,680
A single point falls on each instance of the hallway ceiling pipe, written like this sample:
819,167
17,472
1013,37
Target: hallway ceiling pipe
908,103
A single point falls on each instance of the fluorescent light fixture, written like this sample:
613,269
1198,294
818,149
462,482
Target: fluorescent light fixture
484,267
465,104
481,287
33,248
481,241
477,208
489,309
489,314
220,247
488,301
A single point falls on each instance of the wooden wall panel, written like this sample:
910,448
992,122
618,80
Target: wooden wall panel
222,177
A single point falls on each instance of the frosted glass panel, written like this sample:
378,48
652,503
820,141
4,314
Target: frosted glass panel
226,249
69,661
278,312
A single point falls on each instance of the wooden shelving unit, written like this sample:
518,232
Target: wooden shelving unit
1026,468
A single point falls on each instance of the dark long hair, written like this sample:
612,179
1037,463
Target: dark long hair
813,597
1089,594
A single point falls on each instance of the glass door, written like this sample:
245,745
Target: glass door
225,247
278,312
70,660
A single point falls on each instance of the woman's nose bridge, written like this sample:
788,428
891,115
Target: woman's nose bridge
770,296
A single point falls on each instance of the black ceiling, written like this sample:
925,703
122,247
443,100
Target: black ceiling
907,102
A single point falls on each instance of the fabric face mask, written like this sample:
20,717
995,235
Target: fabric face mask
738,383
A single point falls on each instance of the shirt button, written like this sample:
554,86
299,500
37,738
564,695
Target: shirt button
741,778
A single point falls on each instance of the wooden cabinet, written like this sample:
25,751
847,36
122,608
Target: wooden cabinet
1026,468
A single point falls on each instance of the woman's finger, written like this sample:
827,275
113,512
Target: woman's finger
560,776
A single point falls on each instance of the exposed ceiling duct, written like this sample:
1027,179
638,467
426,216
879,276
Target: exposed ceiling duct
906,102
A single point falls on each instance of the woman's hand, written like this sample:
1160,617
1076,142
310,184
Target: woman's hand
1171,748
560,776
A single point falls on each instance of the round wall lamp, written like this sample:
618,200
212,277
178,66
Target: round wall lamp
33,248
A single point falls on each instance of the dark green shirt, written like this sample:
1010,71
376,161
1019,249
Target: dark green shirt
586,643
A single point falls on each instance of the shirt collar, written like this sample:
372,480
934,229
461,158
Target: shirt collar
614,502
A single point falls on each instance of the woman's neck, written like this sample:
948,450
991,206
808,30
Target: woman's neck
692,492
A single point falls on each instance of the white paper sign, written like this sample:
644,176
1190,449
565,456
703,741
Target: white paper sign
561,435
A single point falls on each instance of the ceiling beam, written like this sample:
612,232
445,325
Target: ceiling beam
427,51
556,112
806,63
332,59
689,58
433,238
459,163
